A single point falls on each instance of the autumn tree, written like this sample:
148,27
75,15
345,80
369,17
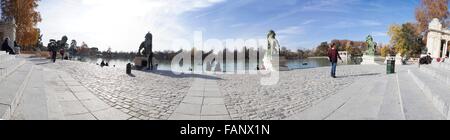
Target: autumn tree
25,13
322,49
385,51
405,39
429,9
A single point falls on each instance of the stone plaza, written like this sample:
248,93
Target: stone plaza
70,90
34,88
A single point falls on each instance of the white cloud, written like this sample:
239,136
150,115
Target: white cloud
370,23
238,25
309,21
354,23
379,34
118,23
292,30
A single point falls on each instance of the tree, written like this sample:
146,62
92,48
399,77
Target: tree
385,51
429,9
404,38
349,48
322,49
26,16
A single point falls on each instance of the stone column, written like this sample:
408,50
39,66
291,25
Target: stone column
433,44
434,36
444,53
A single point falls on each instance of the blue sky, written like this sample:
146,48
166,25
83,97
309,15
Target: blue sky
299,23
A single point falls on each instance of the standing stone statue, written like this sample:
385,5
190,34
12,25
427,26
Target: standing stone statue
147,46
369,55
272,60
371,46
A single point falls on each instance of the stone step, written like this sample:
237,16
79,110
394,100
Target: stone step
12,88
392,109
8,67
443,75
445,65
437,92
2,52
415,105
324,109
365,106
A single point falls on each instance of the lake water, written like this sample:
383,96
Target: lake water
292,64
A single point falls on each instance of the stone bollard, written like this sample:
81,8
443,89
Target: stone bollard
129,68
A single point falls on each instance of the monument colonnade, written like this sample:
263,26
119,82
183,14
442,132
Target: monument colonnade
438,39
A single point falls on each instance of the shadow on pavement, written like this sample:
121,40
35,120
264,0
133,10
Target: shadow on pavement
359,75
183,75
131,75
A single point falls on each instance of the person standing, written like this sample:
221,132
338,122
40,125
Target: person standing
5,45
333,55
16,48
52,47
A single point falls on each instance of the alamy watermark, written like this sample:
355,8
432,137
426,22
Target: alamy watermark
197,62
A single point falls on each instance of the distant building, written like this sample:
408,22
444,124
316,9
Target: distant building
8,30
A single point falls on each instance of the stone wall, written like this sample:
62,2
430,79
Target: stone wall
8,30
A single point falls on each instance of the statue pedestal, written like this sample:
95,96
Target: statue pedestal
140,62
368,60
398,60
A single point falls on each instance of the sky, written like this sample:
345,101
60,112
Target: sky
300,24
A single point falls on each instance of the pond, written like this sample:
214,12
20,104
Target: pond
166,65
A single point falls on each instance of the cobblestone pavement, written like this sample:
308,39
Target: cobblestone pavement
145,96
246,99
149,96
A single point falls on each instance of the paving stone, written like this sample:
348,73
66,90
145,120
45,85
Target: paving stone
86,116
78,88
178,116
85,95
193,100
111,114
214,110
213,94
188,109
213,101
195,93
223,117
95,104
72,107
65,96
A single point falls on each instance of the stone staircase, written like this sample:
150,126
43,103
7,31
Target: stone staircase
434,82
14,74
411,94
